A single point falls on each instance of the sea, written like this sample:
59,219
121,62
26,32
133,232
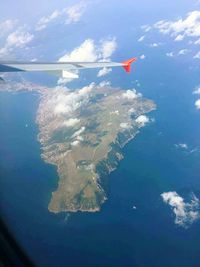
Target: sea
134,227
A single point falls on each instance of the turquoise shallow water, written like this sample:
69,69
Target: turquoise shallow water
119,235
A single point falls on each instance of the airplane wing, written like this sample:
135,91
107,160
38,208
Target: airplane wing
60,68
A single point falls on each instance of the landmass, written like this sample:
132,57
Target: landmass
82,133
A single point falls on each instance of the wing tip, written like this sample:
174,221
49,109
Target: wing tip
127,64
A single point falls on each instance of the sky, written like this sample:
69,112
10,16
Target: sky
30,10
72,22
101,30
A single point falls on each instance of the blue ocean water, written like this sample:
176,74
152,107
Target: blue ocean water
118,235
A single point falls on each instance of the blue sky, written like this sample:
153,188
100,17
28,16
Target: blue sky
99,19
30,10
72,30
96,30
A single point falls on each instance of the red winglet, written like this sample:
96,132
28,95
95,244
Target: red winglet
127,64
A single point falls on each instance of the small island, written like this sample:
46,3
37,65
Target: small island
82,133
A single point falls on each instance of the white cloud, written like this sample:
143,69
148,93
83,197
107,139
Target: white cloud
181,28
89,51
131,94
44,21
71,122
183,52
75,12
78,132
179,38
185,213
79,138
185,146
115,112
108,47
103,72
197,42
86,90
7,26
142,57
63,81
170,54
146,28
125,125
132,110
141,38
197,91
197,103
182,145
197,56
75,143
17,39
4,51
61,108
85,52
66,104
142,120
104,84
155,44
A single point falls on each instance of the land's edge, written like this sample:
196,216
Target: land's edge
103,169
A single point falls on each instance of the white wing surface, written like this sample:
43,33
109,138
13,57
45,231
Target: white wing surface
60,68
